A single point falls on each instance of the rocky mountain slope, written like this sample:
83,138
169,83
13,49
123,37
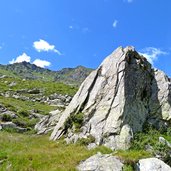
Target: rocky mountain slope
121,113
24,102
25,70
116,100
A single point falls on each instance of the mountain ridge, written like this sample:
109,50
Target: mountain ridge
26,70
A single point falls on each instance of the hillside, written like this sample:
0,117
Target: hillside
25,70
120,114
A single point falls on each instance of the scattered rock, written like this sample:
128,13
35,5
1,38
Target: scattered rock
33,91
152,164
101,162
3,76
12,84
8,125
11,125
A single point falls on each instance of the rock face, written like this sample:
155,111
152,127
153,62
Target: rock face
116,99
101,162
161,96
152,164
47,123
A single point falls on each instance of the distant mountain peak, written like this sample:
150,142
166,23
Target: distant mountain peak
27,70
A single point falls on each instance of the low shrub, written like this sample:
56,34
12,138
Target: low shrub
128,168
130,157
86,141
23,113
74,120
25,122
6,118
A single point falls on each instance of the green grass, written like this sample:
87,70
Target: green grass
18,105
47,87
132,156
128,168
36,153
6,72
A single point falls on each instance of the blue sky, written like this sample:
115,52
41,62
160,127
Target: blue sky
67,33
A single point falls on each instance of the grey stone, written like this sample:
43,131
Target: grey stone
11,125
160,101
12,84
112,100
47,123
164,141
152,164
33,91
117,99
3,76
5,125
101,162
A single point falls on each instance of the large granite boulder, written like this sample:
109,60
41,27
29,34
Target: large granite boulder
116,100
101,162
152,164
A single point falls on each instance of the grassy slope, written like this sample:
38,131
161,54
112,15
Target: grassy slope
36,153
47,87
24,152
19,106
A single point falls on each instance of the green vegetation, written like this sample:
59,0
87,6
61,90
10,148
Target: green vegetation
86,141
26,91
73,76
47,87
75,120
25,122
130,157
128,168
149,138
6,72
25,70
23,107
37,153
6,118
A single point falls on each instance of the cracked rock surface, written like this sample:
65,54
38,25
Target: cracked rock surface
116,100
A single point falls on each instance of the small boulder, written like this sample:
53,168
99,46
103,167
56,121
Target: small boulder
152,164
100,162
164,141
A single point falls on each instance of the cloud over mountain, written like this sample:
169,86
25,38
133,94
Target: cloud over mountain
26,58
21,58
41,63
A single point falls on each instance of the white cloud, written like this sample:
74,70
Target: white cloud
44,46
41,63
21,58
115,23
152,53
